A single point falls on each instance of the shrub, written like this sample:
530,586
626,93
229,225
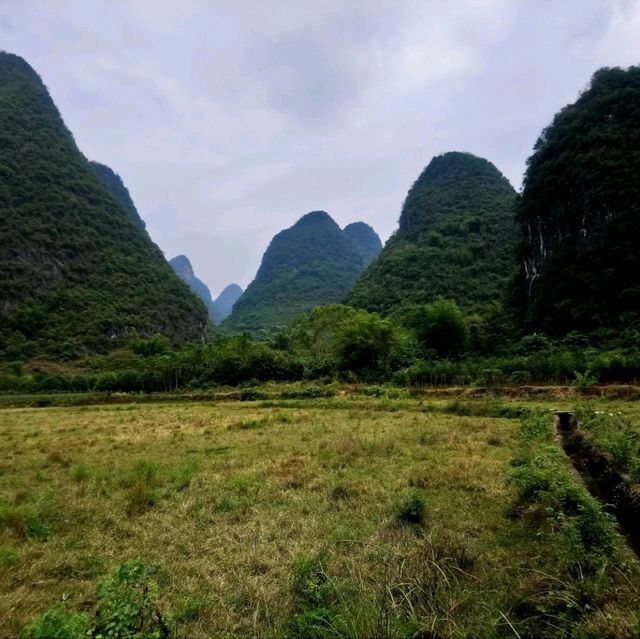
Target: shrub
584,382
412,509
127,603
8,556
59,623
127,609
440,326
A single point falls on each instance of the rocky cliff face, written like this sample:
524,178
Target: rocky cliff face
580,209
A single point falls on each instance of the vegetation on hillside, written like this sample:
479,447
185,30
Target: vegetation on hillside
580,212
456,239
366,239
312,263
183,269
223,304
77,275
116,187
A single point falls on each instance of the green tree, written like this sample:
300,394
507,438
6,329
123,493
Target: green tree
441,327
363,341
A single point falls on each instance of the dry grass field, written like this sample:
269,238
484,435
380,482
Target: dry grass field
284,518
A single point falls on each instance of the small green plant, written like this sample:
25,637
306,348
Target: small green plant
127,609
584,382
80,473
413,508
536,428
59,623
127,604
182,475
188,609
315,594
8,556
31,520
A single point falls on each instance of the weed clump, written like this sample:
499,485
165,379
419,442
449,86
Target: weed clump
58,623
33,520
413,508
142,487
127,608
8,556
315,596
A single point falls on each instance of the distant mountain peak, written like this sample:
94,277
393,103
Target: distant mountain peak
311,263
314,217
365,238
182,263
184,270
223,304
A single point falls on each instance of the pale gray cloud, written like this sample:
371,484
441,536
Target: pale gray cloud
228,120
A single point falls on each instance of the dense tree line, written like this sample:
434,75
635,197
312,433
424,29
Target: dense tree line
429,345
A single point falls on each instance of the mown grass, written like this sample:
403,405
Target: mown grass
310,517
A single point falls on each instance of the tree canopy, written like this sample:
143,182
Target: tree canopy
580,212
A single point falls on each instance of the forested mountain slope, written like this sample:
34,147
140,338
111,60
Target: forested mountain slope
77,274
456,239
223,304
314,262
580,212
116,187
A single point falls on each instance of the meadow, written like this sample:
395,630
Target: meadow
330,517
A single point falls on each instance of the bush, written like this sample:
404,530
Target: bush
584,382
59,623
363,342
441,327
413,508
127,609
127,603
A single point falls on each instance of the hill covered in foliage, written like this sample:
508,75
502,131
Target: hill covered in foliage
77,274
223,304
580,212
312,263
456,239
184,270
366,239
116,187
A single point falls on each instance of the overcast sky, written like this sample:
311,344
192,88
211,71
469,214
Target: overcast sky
228,120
